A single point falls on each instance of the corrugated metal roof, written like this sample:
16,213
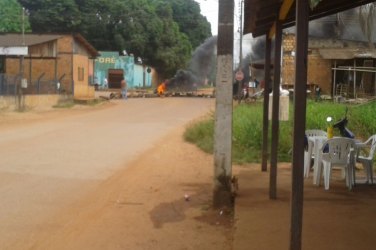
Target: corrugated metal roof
15,39
12,39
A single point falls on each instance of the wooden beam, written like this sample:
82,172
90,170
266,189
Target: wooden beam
275,112
300,102
283,11
272,31
265,126
285,8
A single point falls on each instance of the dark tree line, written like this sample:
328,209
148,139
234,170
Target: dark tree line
11,17
162,32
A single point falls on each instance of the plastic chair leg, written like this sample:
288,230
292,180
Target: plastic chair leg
349,177
307,164
327,172
318,174
371,171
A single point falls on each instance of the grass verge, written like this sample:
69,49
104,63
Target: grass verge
247,128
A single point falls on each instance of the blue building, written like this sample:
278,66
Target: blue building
112,67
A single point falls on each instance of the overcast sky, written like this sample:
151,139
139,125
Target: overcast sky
209,8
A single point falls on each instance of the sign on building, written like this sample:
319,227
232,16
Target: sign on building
14,51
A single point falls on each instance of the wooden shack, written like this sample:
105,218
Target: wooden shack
55,63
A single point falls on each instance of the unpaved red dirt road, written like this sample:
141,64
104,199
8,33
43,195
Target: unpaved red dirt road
107,177
115,177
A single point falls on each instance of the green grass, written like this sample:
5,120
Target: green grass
70,103
64,105
201,134
94,102
247,128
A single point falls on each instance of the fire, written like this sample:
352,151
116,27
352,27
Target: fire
161,89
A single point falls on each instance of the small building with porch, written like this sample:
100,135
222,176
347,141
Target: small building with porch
341,68
53,64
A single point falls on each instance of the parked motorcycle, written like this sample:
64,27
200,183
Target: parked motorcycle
341,126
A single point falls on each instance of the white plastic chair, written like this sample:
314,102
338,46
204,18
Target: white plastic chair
367,160
309,154
315,132
340,153
308,158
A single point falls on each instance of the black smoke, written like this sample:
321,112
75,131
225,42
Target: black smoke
343,26
201,68
184,80
203,59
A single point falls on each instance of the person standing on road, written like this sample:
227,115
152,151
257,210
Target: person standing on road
105,83
123,84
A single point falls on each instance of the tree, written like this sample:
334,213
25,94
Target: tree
145,28
142,27
11,17
187,14
99,20
52,16
174,48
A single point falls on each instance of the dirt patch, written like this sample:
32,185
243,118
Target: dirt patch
14,118
162,201
333,219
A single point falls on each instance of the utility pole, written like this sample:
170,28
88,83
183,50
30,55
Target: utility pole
21,101
241,35
240,49
222,195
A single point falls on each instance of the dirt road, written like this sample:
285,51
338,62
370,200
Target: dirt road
105,178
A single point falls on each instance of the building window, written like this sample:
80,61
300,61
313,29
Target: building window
81,73
2,64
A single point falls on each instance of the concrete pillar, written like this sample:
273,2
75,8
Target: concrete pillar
222,195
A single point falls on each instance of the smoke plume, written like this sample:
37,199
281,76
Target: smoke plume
200,68
344,26
203,59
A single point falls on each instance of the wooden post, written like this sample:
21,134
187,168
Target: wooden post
222,195
374,90
275,112
354,85
334,80
300,99
240,85
265,125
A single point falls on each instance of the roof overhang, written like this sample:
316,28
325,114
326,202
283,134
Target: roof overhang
31,39
345,54
94,53
260,15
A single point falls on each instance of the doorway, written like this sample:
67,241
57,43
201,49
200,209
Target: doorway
114,78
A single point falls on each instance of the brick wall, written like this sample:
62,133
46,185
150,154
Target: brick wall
319,70
81,66
288,62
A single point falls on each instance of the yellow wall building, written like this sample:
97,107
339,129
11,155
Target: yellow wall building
55,63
